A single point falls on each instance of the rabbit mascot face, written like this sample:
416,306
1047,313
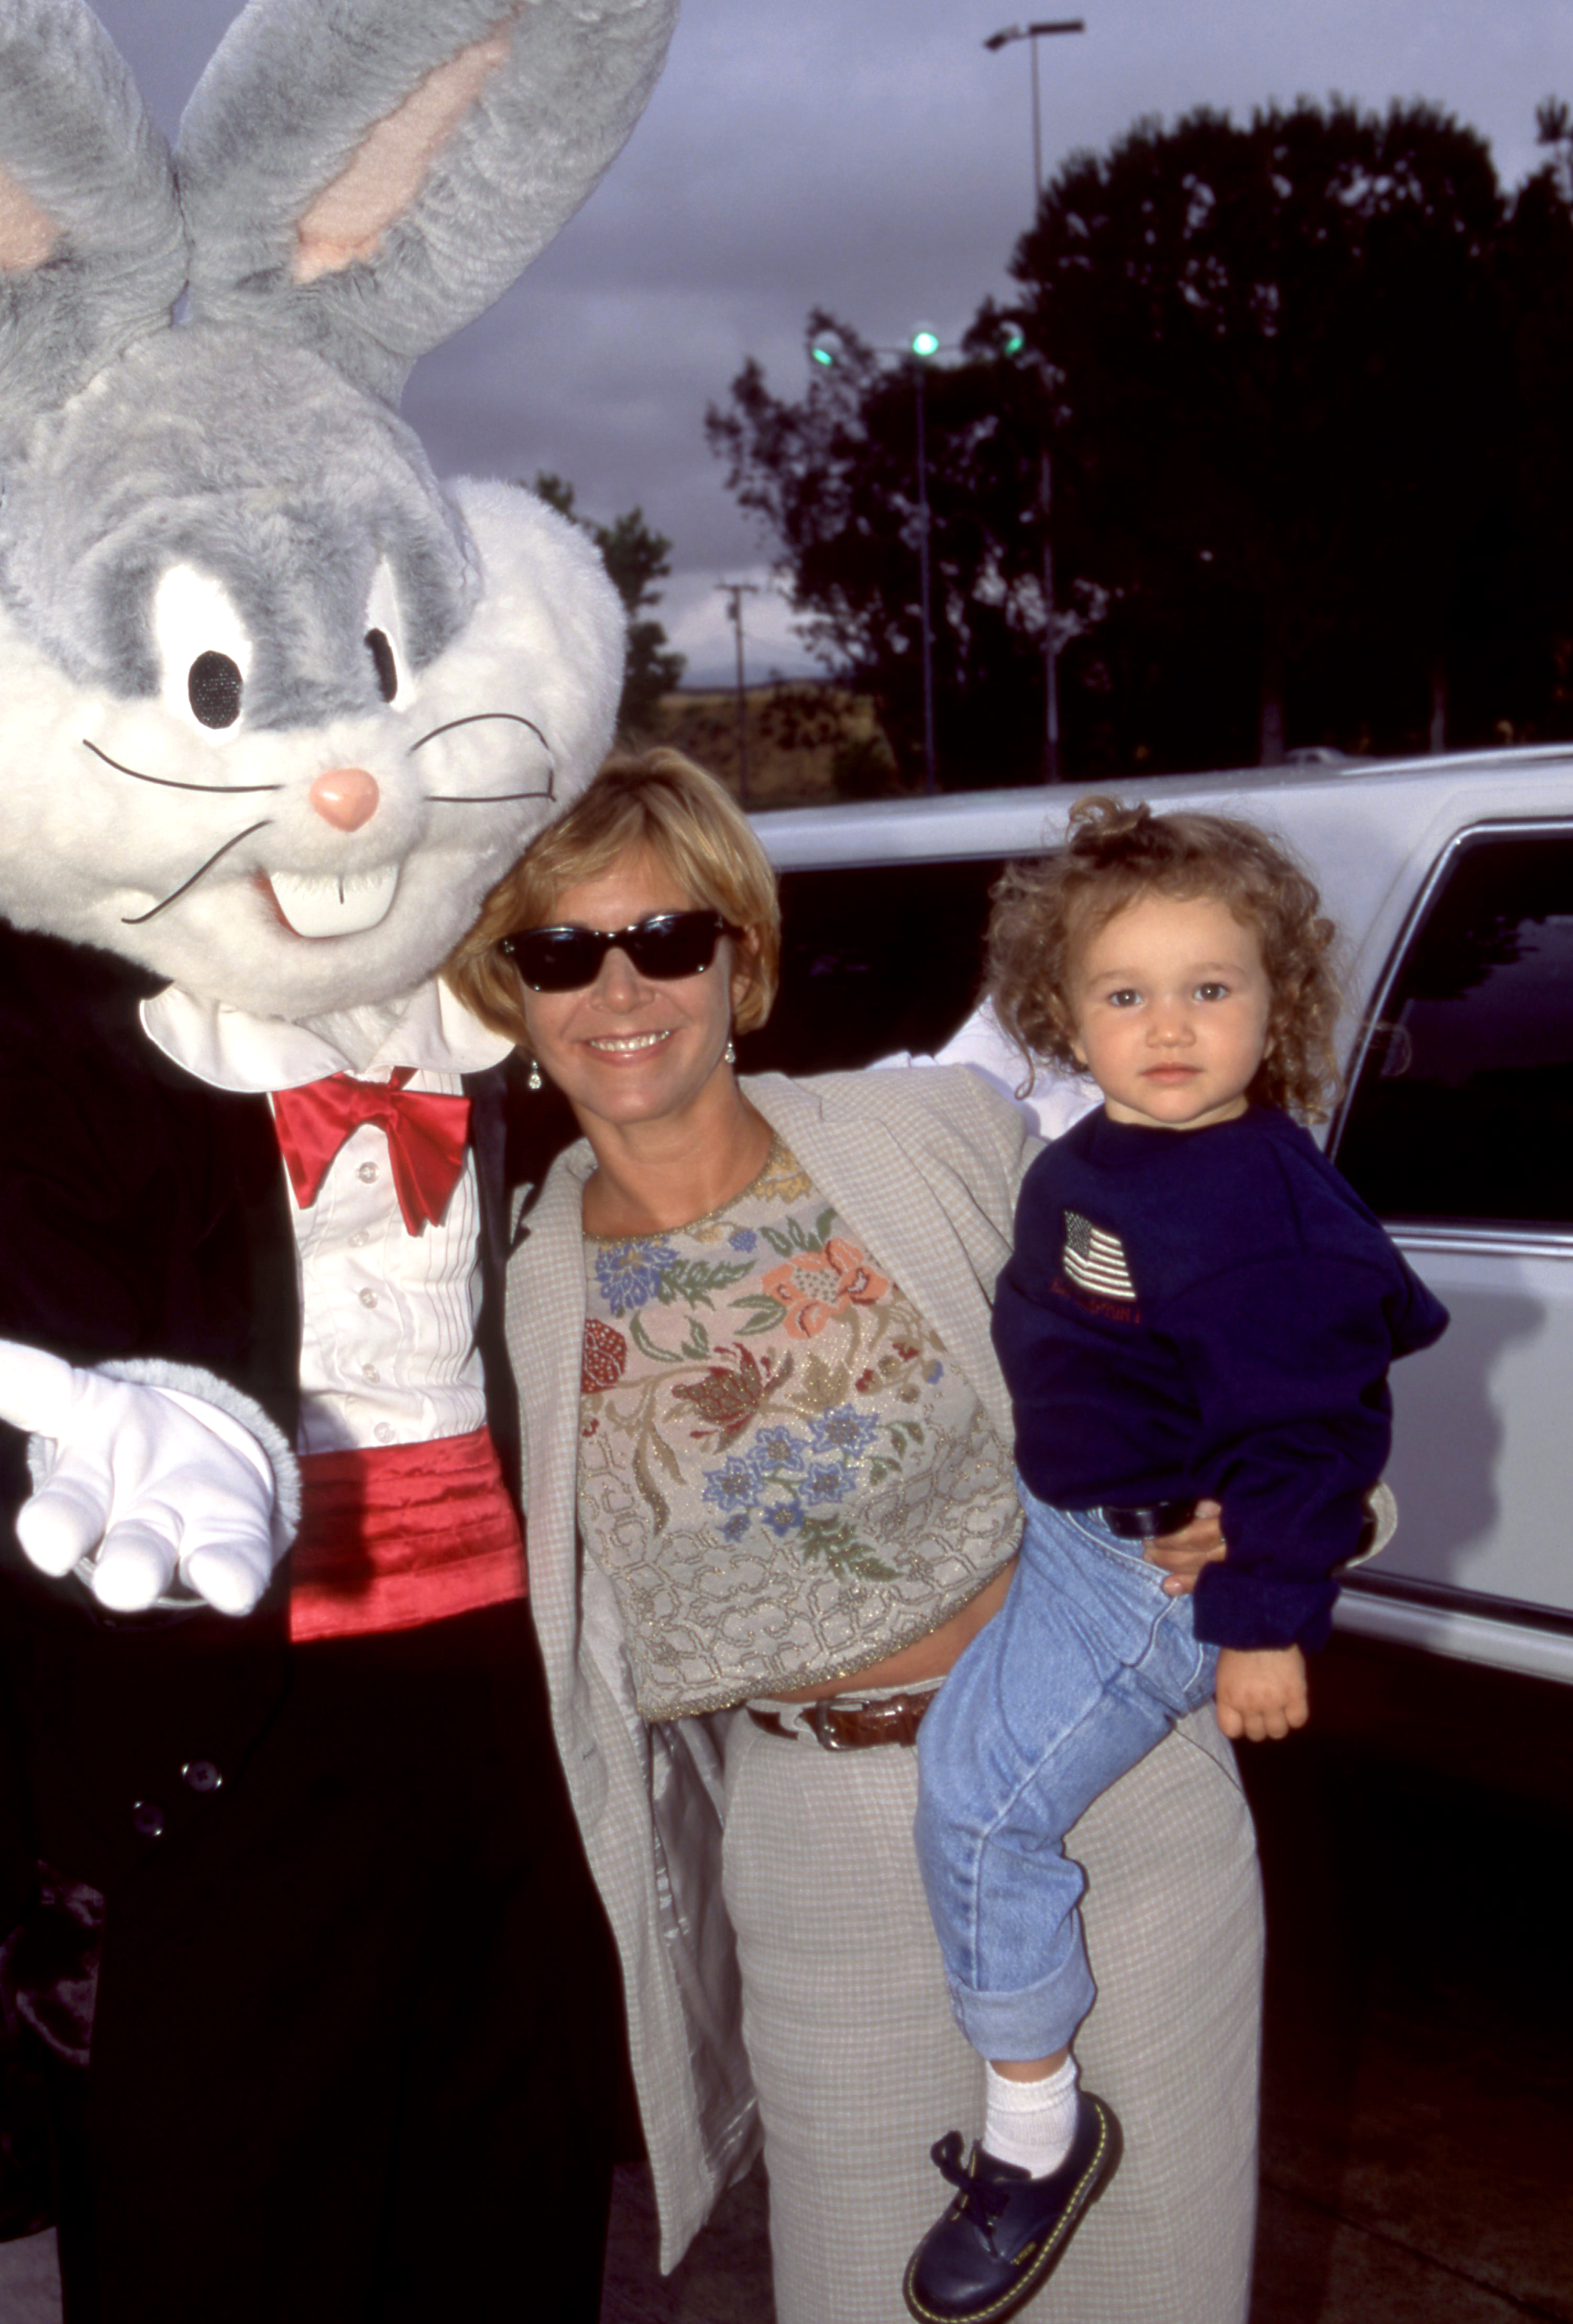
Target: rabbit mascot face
277,708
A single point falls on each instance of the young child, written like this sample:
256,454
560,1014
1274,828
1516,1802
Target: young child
1197,1305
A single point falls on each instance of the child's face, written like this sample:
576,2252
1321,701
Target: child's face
1170,1002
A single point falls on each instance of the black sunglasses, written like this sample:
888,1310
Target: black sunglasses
666,944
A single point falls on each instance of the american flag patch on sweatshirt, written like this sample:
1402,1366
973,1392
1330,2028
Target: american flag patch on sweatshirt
1096,1261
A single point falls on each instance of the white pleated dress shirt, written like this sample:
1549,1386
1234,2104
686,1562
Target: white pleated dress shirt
388,1352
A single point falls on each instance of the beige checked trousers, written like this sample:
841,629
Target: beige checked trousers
860,2066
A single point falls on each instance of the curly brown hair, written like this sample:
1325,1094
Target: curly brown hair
1043,912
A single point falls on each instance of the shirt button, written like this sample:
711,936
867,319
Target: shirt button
359,1239
367,1173
369,1371
201,1775
384,1433
368,1298
148,1820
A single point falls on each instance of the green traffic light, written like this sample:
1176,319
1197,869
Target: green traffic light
924,344
826,355
1014,342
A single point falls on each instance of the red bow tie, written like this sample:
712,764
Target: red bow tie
427,1137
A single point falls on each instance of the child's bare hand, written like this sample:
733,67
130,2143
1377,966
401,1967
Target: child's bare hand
1184,1555
1261,1695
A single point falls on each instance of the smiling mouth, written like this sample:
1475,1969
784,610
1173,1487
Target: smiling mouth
629,1045
331,906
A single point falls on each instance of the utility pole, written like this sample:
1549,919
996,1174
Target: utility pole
734,591
1033,34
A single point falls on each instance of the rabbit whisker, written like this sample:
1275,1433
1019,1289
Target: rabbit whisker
134,920
475,719
488,798
168,783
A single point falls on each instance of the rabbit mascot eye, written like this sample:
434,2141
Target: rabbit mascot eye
276,710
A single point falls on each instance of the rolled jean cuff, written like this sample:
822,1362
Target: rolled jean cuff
1033,2023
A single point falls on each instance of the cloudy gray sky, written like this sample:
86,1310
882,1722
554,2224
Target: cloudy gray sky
865,155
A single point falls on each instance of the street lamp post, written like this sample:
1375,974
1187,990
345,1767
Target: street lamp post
919,352
1051,621
1033,34
924,346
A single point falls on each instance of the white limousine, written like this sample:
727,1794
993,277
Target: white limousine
1451,882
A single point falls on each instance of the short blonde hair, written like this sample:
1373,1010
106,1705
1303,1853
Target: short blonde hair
657,801
1044,913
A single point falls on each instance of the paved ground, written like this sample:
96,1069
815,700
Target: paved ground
1418,2130
1418,2146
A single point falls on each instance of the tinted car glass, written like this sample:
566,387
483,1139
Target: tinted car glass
1464,1107
875,958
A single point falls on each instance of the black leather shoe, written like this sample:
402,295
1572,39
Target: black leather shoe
1005,2232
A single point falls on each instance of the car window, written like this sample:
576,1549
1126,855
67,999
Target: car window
1463,1111
875,958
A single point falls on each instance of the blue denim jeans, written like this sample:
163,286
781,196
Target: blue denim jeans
1084,1668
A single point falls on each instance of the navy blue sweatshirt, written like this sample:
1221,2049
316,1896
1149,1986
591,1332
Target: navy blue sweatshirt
1210,1312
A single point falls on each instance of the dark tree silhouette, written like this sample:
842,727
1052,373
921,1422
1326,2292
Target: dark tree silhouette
1285,369
1304,381
636,558
1522,602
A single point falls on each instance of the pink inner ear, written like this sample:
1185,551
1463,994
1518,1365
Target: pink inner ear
349,218
28,236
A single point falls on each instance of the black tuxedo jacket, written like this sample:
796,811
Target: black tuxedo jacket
144,1213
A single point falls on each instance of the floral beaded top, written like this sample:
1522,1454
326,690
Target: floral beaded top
781,1471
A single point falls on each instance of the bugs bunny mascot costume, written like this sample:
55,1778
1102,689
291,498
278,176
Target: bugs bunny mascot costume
275,711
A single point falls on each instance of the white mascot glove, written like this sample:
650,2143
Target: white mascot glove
138,1484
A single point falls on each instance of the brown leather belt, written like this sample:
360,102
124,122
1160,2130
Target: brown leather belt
840,1725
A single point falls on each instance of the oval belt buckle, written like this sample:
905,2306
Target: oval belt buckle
825,1735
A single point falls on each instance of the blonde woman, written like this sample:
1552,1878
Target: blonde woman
770,1496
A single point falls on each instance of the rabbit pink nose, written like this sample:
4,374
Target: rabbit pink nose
345,797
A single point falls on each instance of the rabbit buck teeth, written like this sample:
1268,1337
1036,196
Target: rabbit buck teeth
335,907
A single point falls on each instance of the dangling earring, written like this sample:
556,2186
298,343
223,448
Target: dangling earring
534,1081
728,1055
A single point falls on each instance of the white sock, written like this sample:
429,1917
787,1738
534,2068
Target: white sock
1031,2124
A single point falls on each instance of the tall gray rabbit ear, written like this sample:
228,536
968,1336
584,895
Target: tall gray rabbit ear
92,244
364,177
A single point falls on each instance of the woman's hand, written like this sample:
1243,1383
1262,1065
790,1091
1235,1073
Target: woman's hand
1184,1555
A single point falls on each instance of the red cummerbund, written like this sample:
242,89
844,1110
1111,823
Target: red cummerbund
398,1535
